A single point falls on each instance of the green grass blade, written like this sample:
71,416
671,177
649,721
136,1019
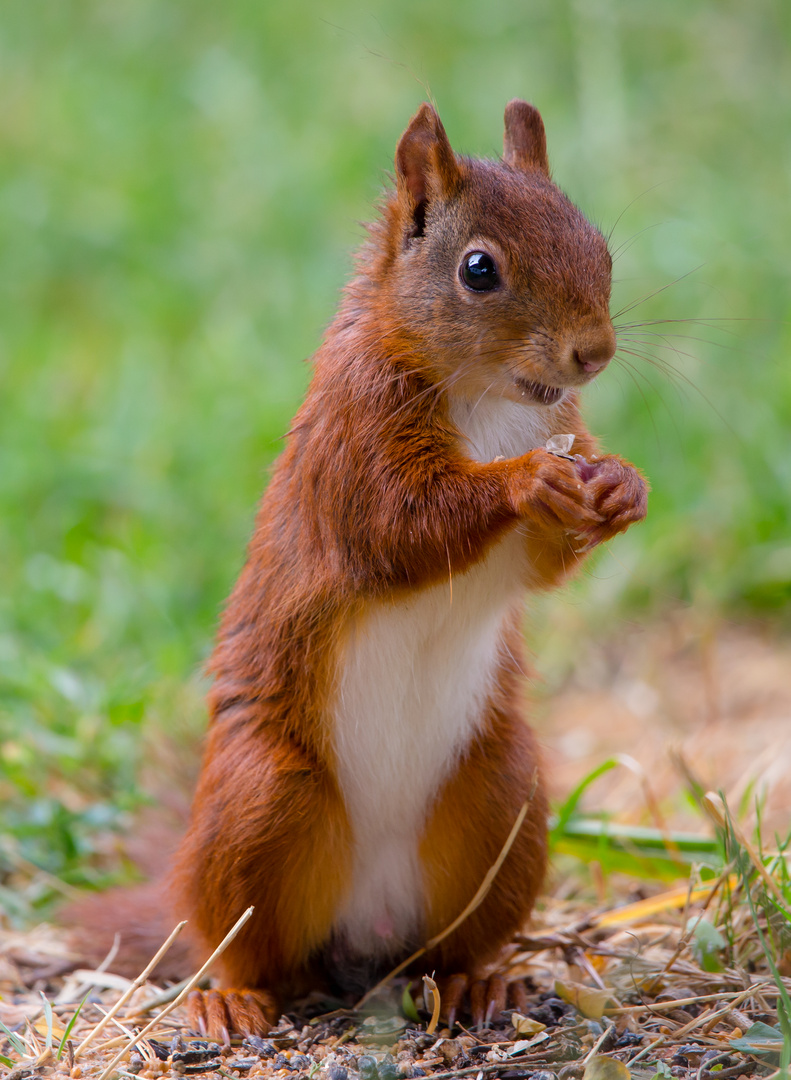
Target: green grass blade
50,1020
635,849
569,807
70,1025
15,1040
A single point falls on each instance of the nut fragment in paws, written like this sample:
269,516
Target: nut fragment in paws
560,445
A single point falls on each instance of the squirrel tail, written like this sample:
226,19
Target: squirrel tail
140,917
131,924
133,921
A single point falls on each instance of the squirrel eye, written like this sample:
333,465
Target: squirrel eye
478,272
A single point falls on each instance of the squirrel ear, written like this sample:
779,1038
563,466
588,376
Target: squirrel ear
425,163
525,141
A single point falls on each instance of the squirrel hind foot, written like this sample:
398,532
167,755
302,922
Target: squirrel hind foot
487,998
219,1014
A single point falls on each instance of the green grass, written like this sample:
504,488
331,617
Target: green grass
180,186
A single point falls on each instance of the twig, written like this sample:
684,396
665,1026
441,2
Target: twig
226,941
119,1040
116,945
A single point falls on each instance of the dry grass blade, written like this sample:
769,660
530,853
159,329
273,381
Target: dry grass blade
679,1003
716,808
487,882
160,998
429,983
708,1019
182,996
141,978
476,901
654,905
598,1044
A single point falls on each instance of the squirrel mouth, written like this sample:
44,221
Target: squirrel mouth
539,392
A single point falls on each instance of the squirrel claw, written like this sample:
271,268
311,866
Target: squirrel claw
487,998
218,1014
452,996
588,543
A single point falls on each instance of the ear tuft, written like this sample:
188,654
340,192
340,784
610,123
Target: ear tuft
425,163
525,141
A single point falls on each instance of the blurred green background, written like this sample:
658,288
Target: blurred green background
180,191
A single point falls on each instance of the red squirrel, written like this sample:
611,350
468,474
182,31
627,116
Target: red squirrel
367,754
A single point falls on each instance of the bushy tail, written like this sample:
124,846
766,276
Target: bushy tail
140,917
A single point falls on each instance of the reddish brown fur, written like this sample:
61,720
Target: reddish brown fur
374,497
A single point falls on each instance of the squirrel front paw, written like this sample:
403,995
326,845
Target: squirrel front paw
548,491
618,493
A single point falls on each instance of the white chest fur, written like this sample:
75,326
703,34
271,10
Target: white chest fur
496,427
414,676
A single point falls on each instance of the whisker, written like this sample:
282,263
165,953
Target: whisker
667,345
628,243
632,373
663,366
675,382
480,399
667,368
656,292
608,235
668,338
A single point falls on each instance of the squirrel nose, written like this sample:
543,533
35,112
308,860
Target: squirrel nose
595,350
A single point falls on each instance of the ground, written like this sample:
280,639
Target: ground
718,693
607,973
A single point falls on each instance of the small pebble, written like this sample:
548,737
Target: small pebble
629,1038
425,1042
263,1047
387,1069
366,1066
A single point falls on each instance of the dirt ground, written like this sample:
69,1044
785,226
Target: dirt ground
720,694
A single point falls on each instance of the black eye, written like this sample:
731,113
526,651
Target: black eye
479,272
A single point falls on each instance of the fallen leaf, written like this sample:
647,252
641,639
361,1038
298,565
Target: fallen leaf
526,1044
590,1001
408,1007
760,1038
525,1026
602,1067
707,943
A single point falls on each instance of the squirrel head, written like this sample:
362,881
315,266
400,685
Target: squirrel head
497,277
